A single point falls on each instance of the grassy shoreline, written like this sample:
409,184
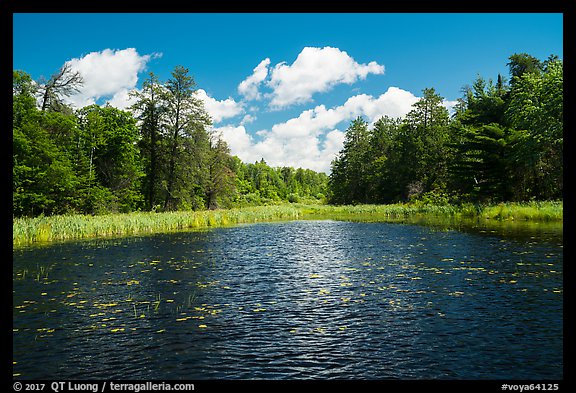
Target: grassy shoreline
528,211
26,231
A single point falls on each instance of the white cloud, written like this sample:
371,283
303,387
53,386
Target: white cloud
312,140
249,86
122,100
220,110
239,141
448,104
248,119
395,102
315,70
334,142
108,74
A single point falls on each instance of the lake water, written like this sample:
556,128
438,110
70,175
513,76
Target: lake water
292,300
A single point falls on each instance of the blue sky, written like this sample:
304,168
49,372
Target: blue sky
284,87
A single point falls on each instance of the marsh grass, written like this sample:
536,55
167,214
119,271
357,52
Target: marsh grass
56,228
531,211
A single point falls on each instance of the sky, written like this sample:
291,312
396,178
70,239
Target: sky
284,87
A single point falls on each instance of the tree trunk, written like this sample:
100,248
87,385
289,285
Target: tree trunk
172,167
153,165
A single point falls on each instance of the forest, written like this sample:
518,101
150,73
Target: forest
504,142
159,156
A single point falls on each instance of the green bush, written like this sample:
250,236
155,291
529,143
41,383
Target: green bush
293,198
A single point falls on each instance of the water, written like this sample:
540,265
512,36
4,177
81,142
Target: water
293,300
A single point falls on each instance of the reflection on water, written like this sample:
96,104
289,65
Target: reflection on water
303,299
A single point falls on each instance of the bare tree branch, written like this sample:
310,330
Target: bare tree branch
65,82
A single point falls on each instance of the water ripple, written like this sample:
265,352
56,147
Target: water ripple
296,300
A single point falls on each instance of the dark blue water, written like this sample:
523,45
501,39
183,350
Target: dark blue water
294,300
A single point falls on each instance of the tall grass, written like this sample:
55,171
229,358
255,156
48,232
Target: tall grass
532,211
45,229
391,211
54,228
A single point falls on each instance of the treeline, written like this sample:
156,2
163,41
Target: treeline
504,142
158,156
259,184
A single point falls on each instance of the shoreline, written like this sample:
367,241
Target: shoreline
46,229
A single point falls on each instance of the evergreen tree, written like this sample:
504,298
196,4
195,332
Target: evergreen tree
422,143
349,168
380,174
537,106
483,163
183,112
150,109
221,179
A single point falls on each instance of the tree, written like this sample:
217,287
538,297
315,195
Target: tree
380,177
509,138
23,101
64,82
483,163
349,168
422,140
537,106
44,181
523,63
221,179
115,167
485,102
150,109
182,109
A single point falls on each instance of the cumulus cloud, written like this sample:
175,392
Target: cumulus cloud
449,104
220,109
248,119
312,139
249,86
122,100
239,141
108,74
315,70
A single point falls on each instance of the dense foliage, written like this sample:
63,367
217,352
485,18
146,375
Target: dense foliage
158,156
503,143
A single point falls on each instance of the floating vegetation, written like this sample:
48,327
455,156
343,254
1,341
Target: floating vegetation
209,292
157,302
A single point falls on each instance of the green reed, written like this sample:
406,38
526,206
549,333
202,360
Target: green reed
57,228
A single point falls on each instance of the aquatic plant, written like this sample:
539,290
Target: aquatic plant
43,229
